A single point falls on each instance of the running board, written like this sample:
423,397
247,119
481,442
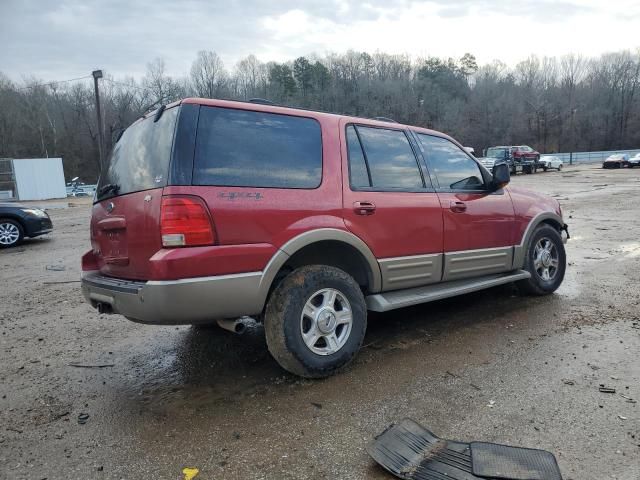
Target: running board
383,302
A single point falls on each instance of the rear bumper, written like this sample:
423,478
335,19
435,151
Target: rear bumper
175,302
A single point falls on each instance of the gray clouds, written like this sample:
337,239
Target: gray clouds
67,38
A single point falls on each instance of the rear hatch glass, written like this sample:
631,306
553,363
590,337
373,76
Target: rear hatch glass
140,159
125,222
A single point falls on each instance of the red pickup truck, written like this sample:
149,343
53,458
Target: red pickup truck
211,211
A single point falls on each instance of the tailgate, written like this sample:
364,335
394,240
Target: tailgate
125,233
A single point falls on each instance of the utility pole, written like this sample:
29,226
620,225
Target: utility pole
96,75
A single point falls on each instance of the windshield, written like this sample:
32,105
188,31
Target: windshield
140,159
496,152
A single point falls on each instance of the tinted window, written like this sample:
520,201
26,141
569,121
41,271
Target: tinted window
358,175
256,149
140,159
451,165
391,162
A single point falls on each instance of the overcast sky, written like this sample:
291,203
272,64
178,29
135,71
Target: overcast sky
59,39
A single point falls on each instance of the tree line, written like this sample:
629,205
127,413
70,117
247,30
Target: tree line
572,103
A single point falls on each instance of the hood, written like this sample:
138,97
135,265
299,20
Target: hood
484,160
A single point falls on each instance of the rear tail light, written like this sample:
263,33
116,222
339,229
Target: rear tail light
185,222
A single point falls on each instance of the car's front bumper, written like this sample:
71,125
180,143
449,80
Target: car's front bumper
35,226
175,302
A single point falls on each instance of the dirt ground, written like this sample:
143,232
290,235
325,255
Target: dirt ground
492,366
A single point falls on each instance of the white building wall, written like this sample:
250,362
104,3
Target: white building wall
39,178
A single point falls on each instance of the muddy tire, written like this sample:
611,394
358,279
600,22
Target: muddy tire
545,260
11,233
315,321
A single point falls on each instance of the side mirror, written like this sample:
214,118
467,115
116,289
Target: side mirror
501,176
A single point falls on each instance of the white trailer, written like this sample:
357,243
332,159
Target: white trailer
32,179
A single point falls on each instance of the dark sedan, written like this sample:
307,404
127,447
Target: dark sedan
19,221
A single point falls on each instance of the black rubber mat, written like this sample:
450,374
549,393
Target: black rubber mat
411,452
500,461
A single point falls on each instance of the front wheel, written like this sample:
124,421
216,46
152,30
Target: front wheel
11,233
545,260
315,321
559,167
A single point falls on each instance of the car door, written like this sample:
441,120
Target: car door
390,204
479,223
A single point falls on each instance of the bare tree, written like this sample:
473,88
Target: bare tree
208,74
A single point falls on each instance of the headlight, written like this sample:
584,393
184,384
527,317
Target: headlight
36,212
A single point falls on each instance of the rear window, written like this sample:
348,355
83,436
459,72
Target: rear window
140,159
244,148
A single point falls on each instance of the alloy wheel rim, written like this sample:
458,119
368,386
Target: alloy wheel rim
546,259
9,233
326,321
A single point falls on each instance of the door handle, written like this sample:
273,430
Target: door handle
364,208
457,206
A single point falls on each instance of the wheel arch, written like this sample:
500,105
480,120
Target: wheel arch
548,218
327,246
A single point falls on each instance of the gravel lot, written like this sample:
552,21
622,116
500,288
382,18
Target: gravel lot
492,366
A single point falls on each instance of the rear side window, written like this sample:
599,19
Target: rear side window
255,149
453,168
388,158
140,159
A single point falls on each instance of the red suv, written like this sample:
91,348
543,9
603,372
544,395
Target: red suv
211,211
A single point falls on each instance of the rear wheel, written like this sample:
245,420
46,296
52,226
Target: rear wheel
11,233
315,321
545,260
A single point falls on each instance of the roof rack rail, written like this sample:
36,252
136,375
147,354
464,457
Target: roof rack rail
261,101
385,119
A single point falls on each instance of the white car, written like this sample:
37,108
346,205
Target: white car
634,161
550,161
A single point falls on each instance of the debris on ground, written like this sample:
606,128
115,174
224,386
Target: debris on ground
569,382
82,418
103,365
604,389
56,268
410,451
190,473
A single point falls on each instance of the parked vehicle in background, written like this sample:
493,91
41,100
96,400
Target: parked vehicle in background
525,152
525,163
617,160
550,161
634,161
18,221
305,221
76,188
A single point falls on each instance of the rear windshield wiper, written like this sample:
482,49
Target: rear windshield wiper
109,187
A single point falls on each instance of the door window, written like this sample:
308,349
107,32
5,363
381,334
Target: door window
452,167
381,159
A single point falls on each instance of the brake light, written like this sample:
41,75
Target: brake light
185,222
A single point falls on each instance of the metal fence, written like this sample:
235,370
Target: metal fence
590,157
